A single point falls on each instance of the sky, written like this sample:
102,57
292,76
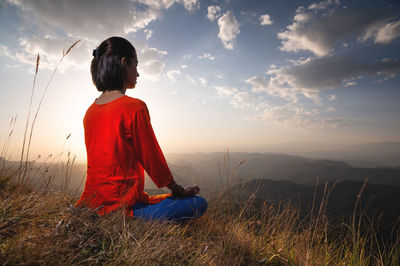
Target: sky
242,75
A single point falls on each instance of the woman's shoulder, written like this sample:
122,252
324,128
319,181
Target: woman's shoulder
134,103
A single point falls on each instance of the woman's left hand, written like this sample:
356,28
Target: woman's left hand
191,191
179,191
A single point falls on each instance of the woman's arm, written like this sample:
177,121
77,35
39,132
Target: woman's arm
151,157
148,151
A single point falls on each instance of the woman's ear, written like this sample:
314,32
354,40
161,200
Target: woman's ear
123,61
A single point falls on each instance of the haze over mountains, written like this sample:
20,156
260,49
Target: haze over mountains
211,169
379,162
362,155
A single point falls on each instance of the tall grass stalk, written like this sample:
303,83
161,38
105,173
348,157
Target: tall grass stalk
357,231
40,104
28,118
6,144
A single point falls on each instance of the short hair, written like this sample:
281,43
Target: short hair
108,73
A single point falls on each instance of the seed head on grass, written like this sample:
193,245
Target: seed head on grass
70,48
37,63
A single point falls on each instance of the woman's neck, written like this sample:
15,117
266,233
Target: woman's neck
108,96
113,92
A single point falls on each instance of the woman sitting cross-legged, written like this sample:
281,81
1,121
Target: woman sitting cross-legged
121,144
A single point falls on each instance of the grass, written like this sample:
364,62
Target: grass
42,226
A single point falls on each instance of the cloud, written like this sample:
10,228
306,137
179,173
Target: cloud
191,80
152,69
383,33
140,19
348,83
206,56
172,74
239,99
334,122
190,5
196,81
150,64
228,29
265,20
202,81
274,87
242,100
290,114
307,78
149,53
88,18
333,72
225,91
50,50
323,5
298,117
293,85
259,84
157,4
4,50
148,33
213,12
323,27
50,26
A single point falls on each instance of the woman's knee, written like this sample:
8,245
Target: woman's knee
189,207
200,205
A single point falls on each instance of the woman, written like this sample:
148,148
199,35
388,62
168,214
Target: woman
121,144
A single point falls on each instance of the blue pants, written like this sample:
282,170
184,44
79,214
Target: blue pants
172,208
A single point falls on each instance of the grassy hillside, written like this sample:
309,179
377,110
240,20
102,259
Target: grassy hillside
43,227
376,203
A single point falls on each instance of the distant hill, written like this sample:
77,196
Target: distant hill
378,154
211,168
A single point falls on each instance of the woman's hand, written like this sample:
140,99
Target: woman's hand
179,191
191,190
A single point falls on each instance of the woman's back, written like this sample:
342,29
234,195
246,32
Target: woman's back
120,142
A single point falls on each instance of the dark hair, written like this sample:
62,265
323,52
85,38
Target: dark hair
108,73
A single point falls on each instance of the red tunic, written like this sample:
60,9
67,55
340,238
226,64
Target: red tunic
120,145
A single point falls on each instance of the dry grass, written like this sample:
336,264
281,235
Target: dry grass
39,227
47,229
